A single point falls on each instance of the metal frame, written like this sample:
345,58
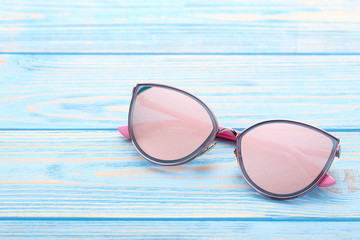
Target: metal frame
334,152
185,159
200,150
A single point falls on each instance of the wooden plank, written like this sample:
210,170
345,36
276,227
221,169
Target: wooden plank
178,229
94,91
99,174
249,60
181,27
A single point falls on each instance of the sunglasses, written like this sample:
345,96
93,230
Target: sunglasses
278,158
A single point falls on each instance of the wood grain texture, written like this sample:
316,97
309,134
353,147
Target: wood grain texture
181,26
99,174
94,91
178,230
72,65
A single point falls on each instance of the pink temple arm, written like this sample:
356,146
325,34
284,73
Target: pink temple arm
325,182
124,130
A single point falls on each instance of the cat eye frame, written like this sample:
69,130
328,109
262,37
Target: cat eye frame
278,158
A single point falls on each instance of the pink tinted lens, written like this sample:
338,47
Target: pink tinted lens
169,124
284,158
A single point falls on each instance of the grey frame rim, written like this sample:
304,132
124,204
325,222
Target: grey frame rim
335,150
187,158
311,186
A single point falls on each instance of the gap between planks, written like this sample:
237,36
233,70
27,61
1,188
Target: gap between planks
181,219
187,53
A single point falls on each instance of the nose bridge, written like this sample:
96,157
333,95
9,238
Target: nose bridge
230,130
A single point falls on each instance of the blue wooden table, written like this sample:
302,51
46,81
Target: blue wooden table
67,70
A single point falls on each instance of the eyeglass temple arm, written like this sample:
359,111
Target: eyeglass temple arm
325,182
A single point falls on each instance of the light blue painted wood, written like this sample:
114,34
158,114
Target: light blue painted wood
178,229
94,91
181,26
249,61
99,174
